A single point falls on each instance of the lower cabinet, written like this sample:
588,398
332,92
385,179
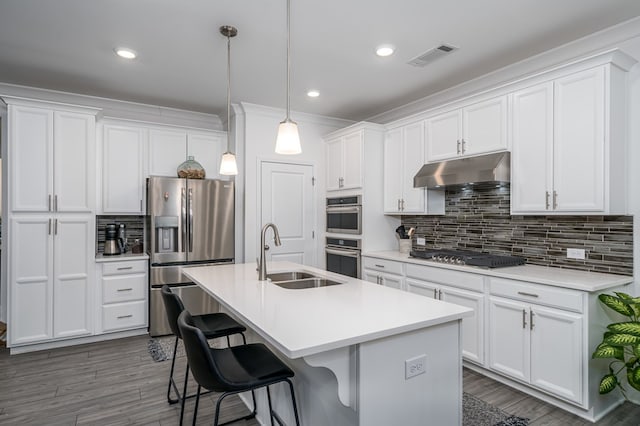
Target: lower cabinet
539,345
124,287
384,272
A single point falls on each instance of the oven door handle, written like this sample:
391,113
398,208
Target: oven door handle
344,209
339,252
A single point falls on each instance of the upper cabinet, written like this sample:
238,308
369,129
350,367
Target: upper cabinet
403,157
344,161
568,144
475,129
51,156
168,148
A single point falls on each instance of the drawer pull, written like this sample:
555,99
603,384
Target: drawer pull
124,316
124,289
527,294
124,268
379,266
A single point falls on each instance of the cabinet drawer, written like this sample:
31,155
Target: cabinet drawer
132,267
465,280
121,316
383,265
124,288
539,294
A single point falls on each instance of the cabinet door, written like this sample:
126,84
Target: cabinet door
73,162
73,276
392,171
123,179
509,338
371,276
31,151
444,134
412,160
532,154
578,169
334,164
352,166
167,150
30,279
393,281
485,126
207,150
472,327
556,352
423,288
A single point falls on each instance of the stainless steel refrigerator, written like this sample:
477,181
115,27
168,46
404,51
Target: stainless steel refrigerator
191,222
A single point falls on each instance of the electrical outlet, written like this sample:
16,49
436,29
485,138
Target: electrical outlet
574,253
415,366
421,241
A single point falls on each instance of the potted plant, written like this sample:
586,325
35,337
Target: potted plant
622,343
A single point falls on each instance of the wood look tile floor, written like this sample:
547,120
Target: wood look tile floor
117,383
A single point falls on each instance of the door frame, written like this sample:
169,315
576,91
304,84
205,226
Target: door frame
259,162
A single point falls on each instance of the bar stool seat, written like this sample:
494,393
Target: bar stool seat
212,325
232,370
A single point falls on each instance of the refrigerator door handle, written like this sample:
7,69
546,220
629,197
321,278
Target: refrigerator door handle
184,220
190,220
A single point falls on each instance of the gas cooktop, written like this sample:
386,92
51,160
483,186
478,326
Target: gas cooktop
467,257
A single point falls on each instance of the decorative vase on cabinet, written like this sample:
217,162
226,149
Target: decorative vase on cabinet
191,169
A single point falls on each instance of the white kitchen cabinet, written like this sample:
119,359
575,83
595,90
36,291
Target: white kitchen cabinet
51,277
169,147
567,145
344,161
124,288
474,129
384,272
403,157
537,344
52,153
123,168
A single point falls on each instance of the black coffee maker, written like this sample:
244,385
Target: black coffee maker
111,241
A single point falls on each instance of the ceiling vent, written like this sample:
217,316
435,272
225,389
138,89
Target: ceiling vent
431,55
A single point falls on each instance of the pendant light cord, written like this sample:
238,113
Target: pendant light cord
288,58
228,88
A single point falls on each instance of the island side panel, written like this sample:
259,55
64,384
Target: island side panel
386,397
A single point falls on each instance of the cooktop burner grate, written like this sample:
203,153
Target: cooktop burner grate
466,257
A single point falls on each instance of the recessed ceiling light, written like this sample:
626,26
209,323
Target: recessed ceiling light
385,50
125,52
313,93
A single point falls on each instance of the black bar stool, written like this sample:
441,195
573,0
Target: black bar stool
212,326
232,370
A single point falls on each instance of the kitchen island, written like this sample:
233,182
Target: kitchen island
363,354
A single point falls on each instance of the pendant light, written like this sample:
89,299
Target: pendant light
288,140
228,165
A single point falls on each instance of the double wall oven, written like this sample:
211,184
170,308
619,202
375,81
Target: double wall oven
344,216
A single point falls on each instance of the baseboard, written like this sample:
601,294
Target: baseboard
78,341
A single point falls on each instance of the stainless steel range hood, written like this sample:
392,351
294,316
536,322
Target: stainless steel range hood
484,168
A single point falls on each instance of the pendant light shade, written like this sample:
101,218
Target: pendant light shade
288,139
228,165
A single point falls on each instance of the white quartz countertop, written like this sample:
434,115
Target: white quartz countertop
557,277
101,258
309,321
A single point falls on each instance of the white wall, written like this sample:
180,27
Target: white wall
256,128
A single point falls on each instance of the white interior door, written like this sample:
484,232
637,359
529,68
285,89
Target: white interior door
287,201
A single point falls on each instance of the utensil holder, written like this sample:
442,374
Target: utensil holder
404,245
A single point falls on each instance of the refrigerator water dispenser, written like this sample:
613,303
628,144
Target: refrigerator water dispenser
166,234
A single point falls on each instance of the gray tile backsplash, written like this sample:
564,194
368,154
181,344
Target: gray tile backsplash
479,219
134,224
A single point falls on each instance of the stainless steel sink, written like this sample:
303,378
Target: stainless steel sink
289,276
306,283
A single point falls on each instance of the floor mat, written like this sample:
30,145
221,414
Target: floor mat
476,412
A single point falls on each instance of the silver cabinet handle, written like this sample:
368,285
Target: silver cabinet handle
124,289
398,204
140,205
379,266
55,227
458,147
55,203
435,293
124,316
49,202
555,199
49,227
522,293
439,294
124,268
463,144
402,204
524,318
546,200
531,320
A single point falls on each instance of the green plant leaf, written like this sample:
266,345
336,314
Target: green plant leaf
616,304
608,383
630,327
636,350
622,340
630,363
607,351
633,377
623,296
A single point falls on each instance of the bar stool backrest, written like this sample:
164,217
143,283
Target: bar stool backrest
174,307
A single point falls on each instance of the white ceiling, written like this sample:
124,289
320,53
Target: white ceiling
68,45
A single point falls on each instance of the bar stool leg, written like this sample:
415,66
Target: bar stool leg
184,394
293,401
270,408
195,409
173,364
